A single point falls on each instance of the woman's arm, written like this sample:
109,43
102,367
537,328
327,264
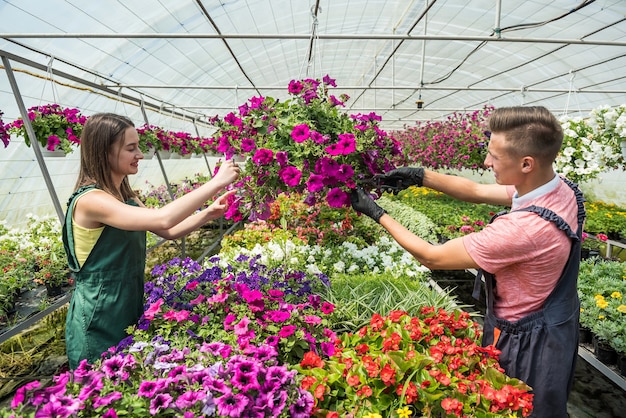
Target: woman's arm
195,221
100,208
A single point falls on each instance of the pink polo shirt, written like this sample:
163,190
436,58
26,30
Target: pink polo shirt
526,253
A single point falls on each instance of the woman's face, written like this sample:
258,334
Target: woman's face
125,155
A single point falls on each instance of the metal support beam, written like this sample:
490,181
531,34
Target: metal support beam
34,143
355,37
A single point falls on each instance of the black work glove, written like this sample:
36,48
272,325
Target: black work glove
362,202
401,178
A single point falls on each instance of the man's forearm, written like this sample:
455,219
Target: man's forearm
467,190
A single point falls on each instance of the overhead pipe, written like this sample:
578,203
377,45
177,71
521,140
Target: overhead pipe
356,37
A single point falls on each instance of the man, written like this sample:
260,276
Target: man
529,256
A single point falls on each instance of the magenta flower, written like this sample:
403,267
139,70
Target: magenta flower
327,308
231,405
160,402
106,400
290,175
242,326
153,309
263,156
282,158
300,133
287,330
315,183
337,198
248,144
295,87
53,141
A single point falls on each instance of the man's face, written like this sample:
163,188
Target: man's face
506,169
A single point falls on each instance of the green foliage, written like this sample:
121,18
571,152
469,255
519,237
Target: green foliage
453,217
358,297
604,218
602,293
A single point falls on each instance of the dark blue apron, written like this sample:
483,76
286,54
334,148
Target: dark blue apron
541,349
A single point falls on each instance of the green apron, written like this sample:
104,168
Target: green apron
108,295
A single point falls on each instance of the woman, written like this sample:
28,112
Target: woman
105,234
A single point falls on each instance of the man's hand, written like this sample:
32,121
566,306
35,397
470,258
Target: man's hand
401,178
362,202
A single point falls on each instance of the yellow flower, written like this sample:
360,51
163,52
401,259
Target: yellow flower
601,317
602,303
616,295
621,308
598,297
372,415
404,412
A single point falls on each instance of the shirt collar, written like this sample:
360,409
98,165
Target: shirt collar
519,202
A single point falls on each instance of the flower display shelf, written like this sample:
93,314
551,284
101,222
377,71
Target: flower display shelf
612,243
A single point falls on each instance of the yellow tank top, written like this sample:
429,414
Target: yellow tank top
84,238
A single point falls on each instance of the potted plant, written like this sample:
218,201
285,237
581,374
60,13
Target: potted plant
305,144
56,128
591,245
149,142
52,271
592,145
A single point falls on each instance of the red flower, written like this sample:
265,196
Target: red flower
353,380
388,375
308,382
311,360
364,392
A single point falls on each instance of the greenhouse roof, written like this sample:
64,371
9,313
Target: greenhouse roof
175,63
193,59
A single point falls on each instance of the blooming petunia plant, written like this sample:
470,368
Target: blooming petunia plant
168,378
305,144
245,304
427,365
56,128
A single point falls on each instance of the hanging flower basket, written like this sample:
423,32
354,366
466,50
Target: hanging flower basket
56,128
306,144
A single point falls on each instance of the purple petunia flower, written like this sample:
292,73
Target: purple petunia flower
231,405
290,175
315,183
303,406
337,198
160,402
287,330
263,156
300,133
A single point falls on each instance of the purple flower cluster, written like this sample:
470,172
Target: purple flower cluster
157,378
459,142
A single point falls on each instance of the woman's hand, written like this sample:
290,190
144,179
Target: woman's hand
219,206
227,173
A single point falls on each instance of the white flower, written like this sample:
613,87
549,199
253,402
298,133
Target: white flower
339,266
